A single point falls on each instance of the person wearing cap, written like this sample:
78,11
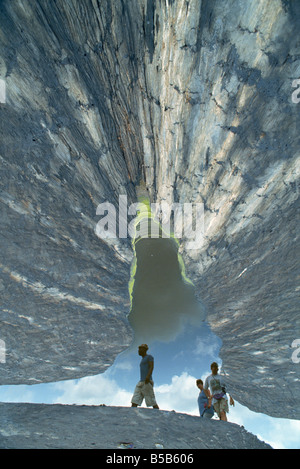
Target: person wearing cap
144,388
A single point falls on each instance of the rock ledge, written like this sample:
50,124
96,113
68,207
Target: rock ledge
42,426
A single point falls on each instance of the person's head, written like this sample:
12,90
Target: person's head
142,351
199,384
214,368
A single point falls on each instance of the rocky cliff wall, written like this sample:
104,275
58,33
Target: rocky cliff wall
192,97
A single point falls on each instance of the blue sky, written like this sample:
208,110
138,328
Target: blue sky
178,363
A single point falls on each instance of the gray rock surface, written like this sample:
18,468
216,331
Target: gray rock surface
42,426
65,299
195,99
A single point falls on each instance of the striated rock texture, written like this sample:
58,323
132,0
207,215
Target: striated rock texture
195,99
40,426
68,143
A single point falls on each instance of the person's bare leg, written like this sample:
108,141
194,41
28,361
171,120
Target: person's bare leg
223,416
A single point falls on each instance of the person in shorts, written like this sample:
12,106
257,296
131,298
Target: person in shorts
144,388
215,387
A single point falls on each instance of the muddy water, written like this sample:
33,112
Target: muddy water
163,301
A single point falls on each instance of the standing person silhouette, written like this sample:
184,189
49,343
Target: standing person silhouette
144,388
215,386
206,409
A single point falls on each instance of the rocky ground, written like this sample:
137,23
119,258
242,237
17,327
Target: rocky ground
42,426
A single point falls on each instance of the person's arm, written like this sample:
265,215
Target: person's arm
206,390
209,397
150,369
231,401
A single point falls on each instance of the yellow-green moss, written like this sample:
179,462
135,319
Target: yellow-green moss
145,213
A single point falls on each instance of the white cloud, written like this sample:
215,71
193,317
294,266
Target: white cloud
127,366
180,395
93,390
283,433
207,346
